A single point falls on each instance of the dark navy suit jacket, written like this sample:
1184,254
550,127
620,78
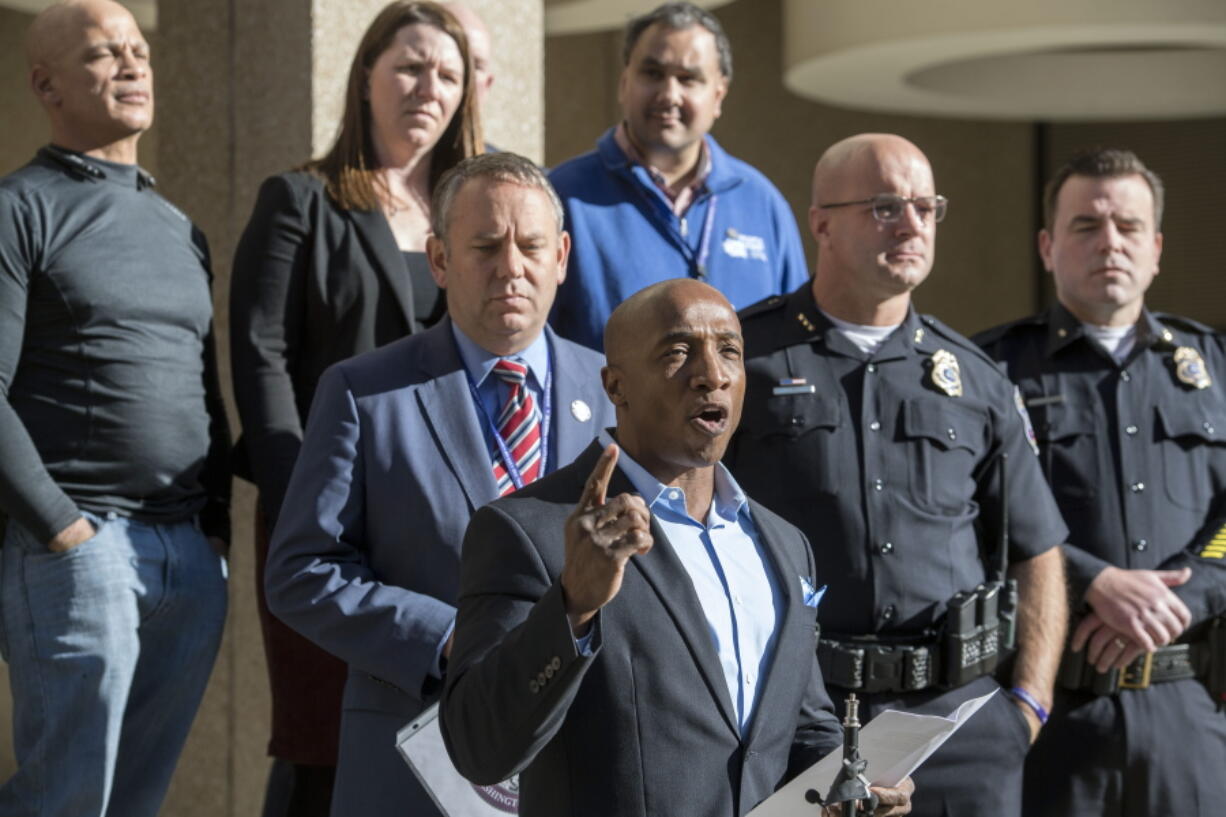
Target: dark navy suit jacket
365,558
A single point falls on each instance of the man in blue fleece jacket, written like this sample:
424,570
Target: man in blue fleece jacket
659,198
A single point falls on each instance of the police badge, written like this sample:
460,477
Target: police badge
946,375
1190,368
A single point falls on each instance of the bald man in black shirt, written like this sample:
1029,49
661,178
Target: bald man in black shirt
113,440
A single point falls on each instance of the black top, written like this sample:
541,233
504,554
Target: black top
313,284
108,386
428,302
891,477
1136,453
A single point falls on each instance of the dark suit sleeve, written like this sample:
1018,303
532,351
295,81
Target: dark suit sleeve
511,625
818,732
319,580
266,316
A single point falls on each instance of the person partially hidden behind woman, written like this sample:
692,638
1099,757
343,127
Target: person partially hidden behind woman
332,264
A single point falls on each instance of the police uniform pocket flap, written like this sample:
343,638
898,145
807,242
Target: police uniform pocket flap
1060,424
790,415
946,424
1198,421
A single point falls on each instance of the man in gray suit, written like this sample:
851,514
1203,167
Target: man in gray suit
404,443
623,657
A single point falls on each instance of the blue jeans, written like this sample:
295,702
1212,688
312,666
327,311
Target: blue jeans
109,646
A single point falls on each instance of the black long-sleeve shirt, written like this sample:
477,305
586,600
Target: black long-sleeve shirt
109,396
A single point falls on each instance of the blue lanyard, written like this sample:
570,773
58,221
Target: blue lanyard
704,241
508,461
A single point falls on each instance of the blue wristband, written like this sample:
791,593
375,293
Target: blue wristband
1025,697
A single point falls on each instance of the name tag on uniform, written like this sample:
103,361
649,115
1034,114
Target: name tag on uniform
793,385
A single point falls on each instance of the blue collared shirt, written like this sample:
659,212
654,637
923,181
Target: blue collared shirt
493,391
731,575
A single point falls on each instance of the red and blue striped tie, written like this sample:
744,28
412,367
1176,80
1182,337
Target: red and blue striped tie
519,425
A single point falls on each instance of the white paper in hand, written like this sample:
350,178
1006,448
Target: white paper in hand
421,744
894,744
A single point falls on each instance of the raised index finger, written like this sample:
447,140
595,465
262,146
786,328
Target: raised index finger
597,486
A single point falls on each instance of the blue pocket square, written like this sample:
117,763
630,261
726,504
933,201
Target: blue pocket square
812,596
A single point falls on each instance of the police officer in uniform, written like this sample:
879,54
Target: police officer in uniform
880,433
1130,411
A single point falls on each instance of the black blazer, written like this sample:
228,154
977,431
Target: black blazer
312,284
644,726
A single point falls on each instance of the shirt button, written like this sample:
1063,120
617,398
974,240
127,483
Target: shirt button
1125,376
878,485
1131,430
885,548
1140,545
874,426
953,435
1208,427
887,613
872,367
674,494
750,678
1137,487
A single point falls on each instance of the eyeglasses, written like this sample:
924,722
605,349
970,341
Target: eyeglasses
888,208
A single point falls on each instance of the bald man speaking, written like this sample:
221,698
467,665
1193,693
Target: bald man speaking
880,433
113,442
635,636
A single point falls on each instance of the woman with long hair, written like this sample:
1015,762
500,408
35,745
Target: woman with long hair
332,264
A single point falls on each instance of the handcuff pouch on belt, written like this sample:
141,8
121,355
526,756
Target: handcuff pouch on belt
978,631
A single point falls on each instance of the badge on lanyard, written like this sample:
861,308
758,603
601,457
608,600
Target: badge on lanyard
946,374
1190,368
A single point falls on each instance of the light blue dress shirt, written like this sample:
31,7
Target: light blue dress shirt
494,391
731,573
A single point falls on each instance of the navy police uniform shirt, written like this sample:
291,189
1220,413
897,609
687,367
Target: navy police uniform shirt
1136,453
886,462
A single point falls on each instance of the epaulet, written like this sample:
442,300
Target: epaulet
1185,324
990,336
763,307
957,338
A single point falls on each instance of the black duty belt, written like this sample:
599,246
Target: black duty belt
875,667
1176,662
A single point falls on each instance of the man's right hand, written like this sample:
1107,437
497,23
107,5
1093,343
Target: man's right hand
600,536
71,536
1138,604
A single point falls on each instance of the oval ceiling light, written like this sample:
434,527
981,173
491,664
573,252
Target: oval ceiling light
584,16
1060,61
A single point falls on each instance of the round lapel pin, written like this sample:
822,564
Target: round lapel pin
580,411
